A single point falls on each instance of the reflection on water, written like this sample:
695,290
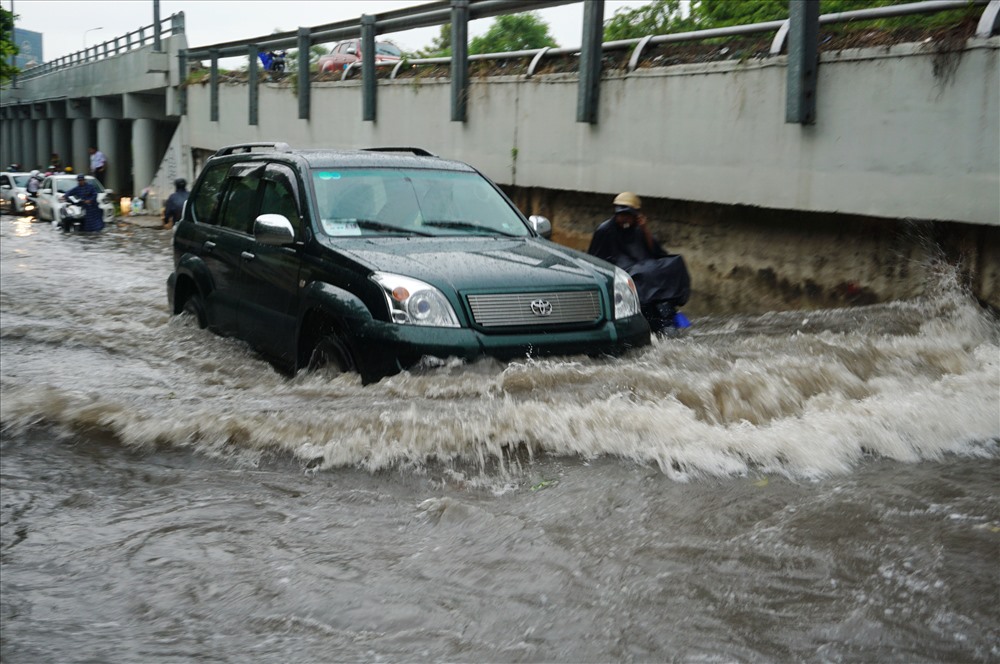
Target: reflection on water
792,486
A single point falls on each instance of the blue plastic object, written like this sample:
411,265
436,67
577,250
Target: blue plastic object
681,321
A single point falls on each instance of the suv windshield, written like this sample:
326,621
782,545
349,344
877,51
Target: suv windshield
412,202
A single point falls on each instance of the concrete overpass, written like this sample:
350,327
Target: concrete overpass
907,132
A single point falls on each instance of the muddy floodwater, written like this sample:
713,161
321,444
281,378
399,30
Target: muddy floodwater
817,486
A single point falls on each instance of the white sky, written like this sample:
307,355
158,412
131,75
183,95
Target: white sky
66,24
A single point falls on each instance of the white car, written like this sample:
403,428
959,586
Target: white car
52,196
13,195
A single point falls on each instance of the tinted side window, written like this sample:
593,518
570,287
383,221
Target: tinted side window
281,196
205,199
239,207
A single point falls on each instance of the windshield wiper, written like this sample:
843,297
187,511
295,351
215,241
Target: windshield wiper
375,225
466,226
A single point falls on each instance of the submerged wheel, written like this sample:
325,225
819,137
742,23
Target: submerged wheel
194,308
332,355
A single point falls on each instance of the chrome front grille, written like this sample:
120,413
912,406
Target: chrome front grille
533,309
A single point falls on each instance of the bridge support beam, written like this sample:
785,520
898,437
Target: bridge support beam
6,139
107,142
43,142
143,153
28,144
81,141
60,140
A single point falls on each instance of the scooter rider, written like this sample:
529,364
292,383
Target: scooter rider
661,279
87,193
34,183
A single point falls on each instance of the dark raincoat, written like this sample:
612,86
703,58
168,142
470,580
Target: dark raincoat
174,207
660,278
87,193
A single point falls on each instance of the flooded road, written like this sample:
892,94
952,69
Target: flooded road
794,486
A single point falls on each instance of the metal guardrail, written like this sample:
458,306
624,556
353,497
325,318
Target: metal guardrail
438,13
144,36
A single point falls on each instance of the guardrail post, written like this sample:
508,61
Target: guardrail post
304,44
590,61
177,23
254,84
368,79
803,61
459,59
213,86
157,44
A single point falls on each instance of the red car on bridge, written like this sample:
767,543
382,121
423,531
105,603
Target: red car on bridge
349,51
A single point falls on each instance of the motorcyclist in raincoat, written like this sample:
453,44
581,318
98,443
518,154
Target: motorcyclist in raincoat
87,193
661,279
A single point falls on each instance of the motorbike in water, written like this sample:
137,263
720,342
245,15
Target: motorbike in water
71,215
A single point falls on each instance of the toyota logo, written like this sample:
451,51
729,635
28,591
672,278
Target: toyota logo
541,308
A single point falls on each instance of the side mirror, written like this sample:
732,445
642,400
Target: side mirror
108,192
541,225
273,230
5,187
351,50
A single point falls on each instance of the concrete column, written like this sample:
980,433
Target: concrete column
60,141
17,141
6,142
143,154
43,141
81,141
28,147
107,142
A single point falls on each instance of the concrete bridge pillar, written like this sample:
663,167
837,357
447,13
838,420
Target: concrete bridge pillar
60,141
143,153
6,140
16,141
81,141
28,157
43,142
107,142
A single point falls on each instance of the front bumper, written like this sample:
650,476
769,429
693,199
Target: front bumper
382,349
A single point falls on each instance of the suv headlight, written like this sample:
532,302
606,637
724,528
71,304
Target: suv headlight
413,302
626,298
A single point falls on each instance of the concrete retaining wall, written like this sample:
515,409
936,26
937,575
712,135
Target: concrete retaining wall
902,132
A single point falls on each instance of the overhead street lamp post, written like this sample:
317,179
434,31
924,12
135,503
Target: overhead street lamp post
85,35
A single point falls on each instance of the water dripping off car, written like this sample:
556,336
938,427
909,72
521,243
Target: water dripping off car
371,261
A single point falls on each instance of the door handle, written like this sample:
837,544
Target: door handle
246,255
208,246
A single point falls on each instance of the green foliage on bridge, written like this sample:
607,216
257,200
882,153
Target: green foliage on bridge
662,17
509,32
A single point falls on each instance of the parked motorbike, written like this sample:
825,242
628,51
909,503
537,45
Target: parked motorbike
72,214
278,62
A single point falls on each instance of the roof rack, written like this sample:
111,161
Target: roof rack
420,152
248,147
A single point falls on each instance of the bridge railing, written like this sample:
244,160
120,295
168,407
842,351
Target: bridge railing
143,36
459,12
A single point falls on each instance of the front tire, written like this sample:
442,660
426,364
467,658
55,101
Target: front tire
331,355
194,308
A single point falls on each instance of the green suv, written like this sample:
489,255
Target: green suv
372,260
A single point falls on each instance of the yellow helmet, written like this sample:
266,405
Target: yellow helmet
69,169
629,200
